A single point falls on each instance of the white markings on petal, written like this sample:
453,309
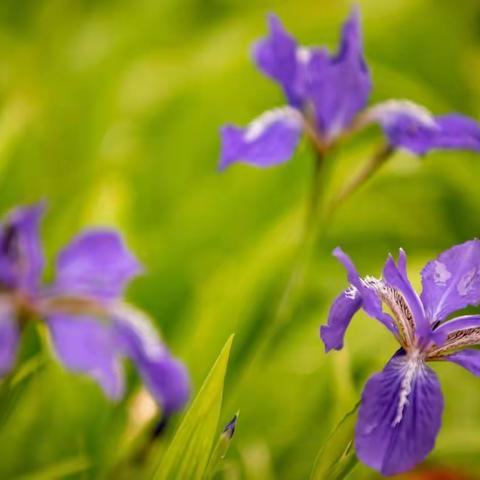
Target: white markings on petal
441,274
351,292
142,326
287,115
303,54
410,369
465,285
388,112
396,302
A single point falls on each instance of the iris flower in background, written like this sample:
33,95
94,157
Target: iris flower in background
401,407
91,329
326,98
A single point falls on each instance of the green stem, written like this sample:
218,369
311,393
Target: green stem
368,169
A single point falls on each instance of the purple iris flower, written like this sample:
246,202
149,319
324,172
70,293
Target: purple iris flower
327,94
401,408
92,330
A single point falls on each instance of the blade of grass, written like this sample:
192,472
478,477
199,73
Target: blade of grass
189,452
337,457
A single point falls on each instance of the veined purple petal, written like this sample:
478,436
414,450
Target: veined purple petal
414,128
398,279
341,312
452,281
9,338
96,263
339,88
456,334
399,417
276,56
21,257
468,359
269,140
86,345
166,377
371,302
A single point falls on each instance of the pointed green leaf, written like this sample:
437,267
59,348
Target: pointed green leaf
188,454
337,457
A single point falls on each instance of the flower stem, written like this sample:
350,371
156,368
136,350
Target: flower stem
380,156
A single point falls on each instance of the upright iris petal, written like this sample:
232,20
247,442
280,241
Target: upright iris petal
276,56
21,257
96,263
340,86
452,281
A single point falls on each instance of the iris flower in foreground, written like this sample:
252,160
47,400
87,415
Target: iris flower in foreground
401,408
326,97
91,329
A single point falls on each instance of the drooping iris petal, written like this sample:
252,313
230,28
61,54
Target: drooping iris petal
166,377
276,56
371,302
168,381
412,127
86,345
21,257
468,359
452,281
399,417
96,263
339,87
398,279
9,338
268,140
339,317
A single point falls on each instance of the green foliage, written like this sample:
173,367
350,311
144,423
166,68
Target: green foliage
337,458
188,454
110,110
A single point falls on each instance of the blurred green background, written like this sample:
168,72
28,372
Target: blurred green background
110,110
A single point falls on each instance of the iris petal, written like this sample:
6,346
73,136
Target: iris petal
269,140
452,281
339,87
339,317
276,56
412,127
166,377
371,302
399,417
9,338
96,263
21,256
83,344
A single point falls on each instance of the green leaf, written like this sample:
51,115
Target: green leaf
188,454
337,457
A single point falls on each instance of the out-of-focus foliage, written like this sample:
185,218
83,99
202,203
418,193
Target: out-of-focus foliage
110,110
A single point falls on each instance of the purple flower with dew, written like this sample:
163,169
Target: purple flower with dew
326,97
92,330
401,407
